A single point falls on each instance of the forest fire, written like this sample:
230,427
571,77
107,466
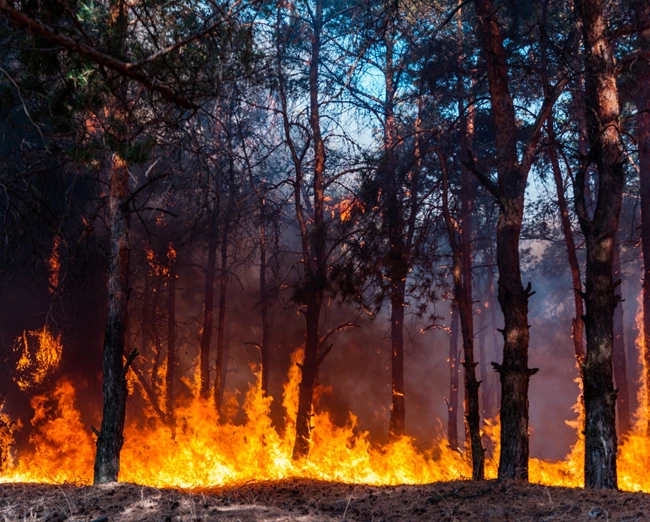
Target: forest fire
361,245
200,450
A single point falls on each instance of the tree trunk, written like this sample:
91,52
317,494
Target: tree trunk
171,335
314,247
643,137
486,395
619,356
397,268
110,438
492,305
462,278
603,130
146,314
577,324
264,304
398,407
642,10
221,326
208,309
464,287
452,403
157,343
513,297
309,371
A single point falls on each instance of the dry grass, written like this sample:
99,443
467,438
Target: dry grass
305,500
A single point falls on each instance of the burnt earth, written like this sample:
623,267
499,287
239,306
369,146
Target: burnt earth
307,500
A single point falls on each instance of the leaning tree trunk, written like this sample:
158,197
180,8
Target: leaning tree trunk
606,152
576,322
642,72
110,438
171,336
452,403
577,326
208,309
619,356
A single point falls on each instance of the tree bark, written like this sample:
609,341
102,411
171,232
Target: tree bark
208,309
452,403
603,130
620,356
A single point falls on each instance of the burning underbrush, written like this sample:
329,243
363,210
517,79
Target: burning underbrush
196,448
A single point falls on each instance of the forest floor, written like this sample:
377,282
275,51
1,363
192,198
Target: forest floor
306,500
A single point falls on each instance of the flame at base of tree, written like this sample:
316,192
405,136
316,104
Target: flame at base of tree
201,451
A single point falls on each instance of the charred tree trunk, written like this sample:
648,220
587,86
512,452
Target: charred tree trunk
111,438
620,356
171,335
643,139
603,130
452,403
208,310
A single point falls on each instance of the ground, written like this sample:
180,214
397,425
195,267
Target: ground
303,500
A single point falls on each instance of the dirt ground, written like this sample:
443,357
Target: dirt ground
303,500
